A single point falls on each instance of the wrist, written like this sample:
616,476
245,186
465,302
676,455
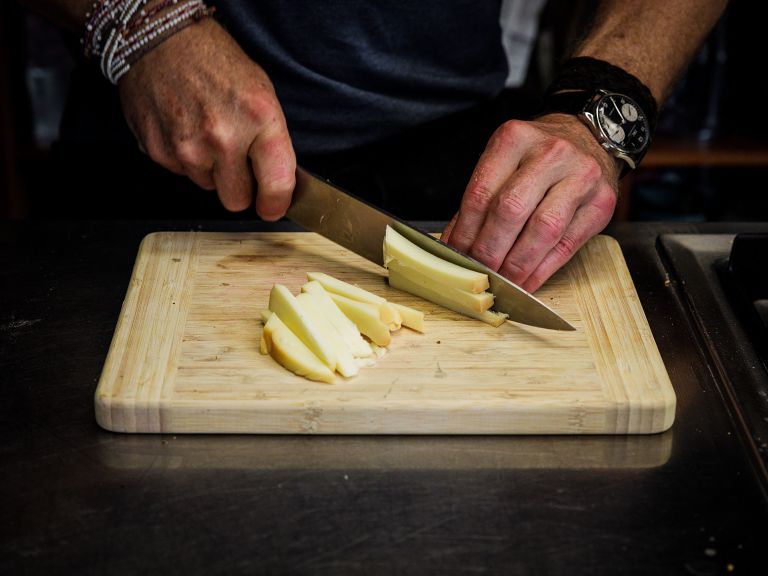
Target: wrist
567,124
618,108
120,32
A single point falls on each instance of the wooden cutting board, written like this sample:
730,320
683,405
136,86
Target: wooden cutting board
185,353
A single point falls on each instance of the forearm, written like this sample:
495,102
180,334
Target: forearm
651,39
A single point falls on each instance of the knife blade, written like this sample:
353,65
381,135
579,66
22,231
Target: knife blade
321,207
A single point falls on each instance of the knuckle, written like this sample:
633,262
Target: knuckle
549,225
605,200
276,185
156,151
275,176
275,151
536,279
513,269
284,183
160,155
260,107
592,171
508,132
485,253
187,153
511,208
566,246
478,197
462,239
219,135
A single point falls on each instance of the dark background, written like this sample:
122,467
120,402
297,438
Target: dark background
708,162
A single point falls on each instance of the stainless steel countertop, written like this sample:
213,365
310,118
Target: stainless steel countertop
77,498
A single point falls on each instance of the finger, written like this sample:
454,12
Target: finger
195,161
587,221
446,235
203,177
274,166
544,228
499,160
234,181
159,152
514,204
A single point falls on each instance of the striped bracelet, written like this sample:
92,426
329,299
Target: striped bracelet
119,32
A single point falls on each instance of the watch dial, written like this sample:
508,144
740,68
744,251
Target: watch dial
622,121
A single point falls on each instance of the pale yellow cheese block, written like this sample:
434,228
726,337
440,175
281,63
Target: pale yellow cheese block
284,346
185,352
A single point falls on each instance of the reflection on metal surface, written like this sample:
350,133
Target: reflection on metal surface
387,453
699,263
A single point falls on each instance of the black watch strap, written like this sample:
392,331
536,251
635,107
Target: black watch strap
581,104
584,75
570,102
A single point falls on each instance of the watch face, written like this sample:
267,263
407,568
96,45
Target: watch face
622,122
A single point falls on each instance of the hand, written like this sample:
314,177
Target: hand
540,190
199,106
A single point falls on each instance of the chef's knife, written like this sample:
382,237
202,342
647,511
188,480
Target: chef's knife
358,226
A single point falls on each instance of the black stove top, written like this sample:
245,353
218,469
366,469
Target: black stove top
744,275
724,281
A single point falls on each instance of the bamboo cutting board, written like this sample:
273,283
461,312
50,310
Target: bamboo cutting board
185,353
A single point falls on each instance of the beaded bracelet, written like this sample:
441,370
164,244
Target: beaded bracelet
119,32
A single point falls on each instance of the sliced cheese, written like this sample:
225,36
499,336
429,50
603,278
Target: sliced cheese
474,301
346,365
283,303
438,296
412,318
387,313
390,316
366,317
379,351
337,286
347,329
290,352
397,247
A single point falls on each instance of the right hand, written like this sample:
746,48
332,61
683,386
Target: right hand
199,106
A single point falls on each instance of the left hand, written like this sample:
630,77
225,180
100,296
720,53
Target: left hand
540,190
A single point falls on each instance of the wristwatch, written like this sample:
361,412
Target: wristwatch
618,122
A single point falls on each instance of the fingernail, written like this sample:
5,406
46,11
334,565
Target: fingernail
271,216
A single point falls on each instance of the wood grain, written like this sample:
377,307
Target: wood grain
185,353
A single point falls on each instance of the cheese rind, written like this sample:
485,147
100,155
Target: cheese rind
397,247
474,301
404,283
290,352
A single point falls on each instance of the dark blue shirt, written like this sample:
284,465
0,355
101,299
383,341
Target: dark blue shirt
350,72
